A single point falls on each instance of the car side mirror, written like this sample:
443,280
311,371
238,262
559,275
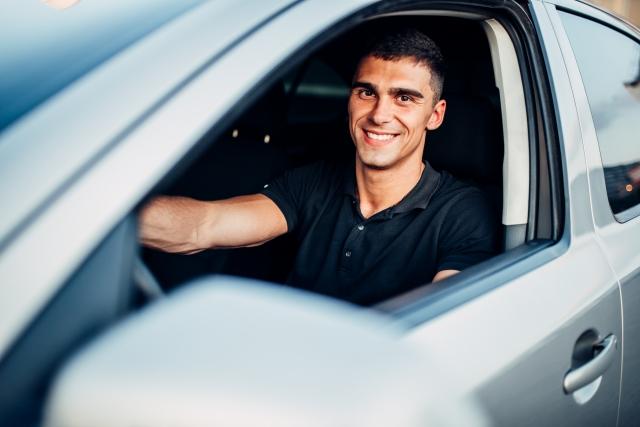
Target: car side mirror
229,351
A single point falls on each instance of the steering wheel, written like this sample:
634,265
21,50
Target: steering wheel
145,281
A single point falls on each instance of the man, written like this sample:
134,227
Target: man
368,230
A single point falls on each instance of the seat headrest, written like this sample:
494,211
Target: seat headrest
469,144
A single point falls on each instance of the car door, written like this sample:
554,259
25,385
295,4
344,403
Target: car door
539,341
513,335
519,335
603,57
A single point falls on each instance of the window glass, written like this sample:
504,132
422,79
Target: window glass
609,63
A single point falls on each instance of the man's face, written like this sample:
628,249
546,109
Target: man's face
390,107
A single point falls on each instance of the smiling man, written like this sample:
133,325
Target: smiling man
381,225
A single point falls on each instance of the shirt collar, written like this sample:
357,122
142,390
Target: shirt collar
349,187
417,198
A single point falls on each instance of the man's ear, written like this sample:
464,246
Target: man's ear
437,116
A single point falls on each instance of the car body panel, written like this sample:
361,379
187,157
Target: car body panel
57,152
62,160
630,284
522,339
588,8
512,345
67,44
618,239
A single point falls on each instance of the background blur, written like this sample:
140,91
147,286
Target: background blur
629,9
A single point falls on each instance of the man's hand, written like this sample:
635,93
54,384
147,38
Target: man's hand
187,226
441,275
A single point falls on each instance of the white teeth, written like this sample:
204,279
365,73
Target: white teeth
377,137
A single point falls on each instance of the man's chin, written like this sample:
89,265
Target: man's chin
375,164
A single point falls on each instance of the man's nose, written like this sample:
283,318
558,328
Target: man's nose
382,112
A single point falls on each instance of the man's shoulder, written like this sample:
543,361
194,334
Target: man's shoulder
458,196
319,176
309,180
453,187
321,168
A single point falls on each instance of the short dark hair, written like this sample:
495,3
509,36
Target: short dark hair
396,44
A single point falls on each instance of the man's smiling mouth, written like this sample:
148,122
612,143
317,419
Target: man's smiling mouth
378,136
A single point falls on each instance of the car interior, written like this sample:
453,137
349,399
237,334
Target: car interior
302,117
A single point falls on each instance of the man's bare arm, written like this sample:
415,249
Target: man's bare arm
184,225
443,274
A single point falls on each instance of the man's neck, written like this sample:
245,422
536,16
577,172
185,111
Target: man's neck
379,189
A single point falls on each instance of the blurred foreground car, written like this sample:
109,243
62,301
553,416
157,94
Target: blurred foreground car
105,104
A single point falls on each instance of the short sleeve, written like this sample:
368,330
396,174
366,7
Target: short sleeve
469,233
291,191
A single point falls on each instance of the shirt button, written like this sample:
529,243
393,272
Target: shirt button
347,254
361,227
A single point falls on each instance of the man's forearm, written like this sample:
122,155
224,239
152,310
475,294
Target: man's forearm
186,226
171,224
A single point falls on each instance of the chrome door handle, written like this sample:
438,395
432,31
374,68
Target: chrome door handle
590,371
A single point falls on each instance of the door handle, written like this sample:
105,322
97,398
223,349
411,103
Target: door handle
590,371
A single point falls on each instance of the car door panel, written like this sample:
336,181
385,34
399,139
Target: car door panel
630,391
529,393
520,347
618,236
511,346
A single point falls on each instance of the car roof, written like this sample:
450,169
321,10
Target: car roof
44,48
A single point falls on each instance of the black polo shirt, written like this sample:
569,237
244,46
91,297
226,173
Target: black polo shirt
440,224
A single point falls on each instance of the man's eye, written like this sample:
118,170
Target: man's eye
365,93
404,98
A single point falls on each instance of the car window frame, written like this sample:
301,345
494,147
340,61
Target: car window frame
187,134
429,301
597,184
41,227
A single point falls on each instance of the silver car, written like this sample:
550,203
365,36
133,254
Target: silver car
108,103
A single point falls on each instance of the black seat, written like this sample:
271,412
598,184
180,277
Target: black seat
470,144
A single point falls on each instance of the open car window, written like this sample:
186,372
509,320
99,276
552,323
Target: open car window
300,117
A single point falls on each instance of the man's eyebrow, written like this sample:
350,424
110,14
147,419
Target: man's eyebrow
364,85
395,91
405,91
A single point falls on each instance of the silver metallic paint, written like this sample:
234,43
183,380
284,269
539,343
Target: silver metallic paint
519,347
620,241
513,345
56,154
